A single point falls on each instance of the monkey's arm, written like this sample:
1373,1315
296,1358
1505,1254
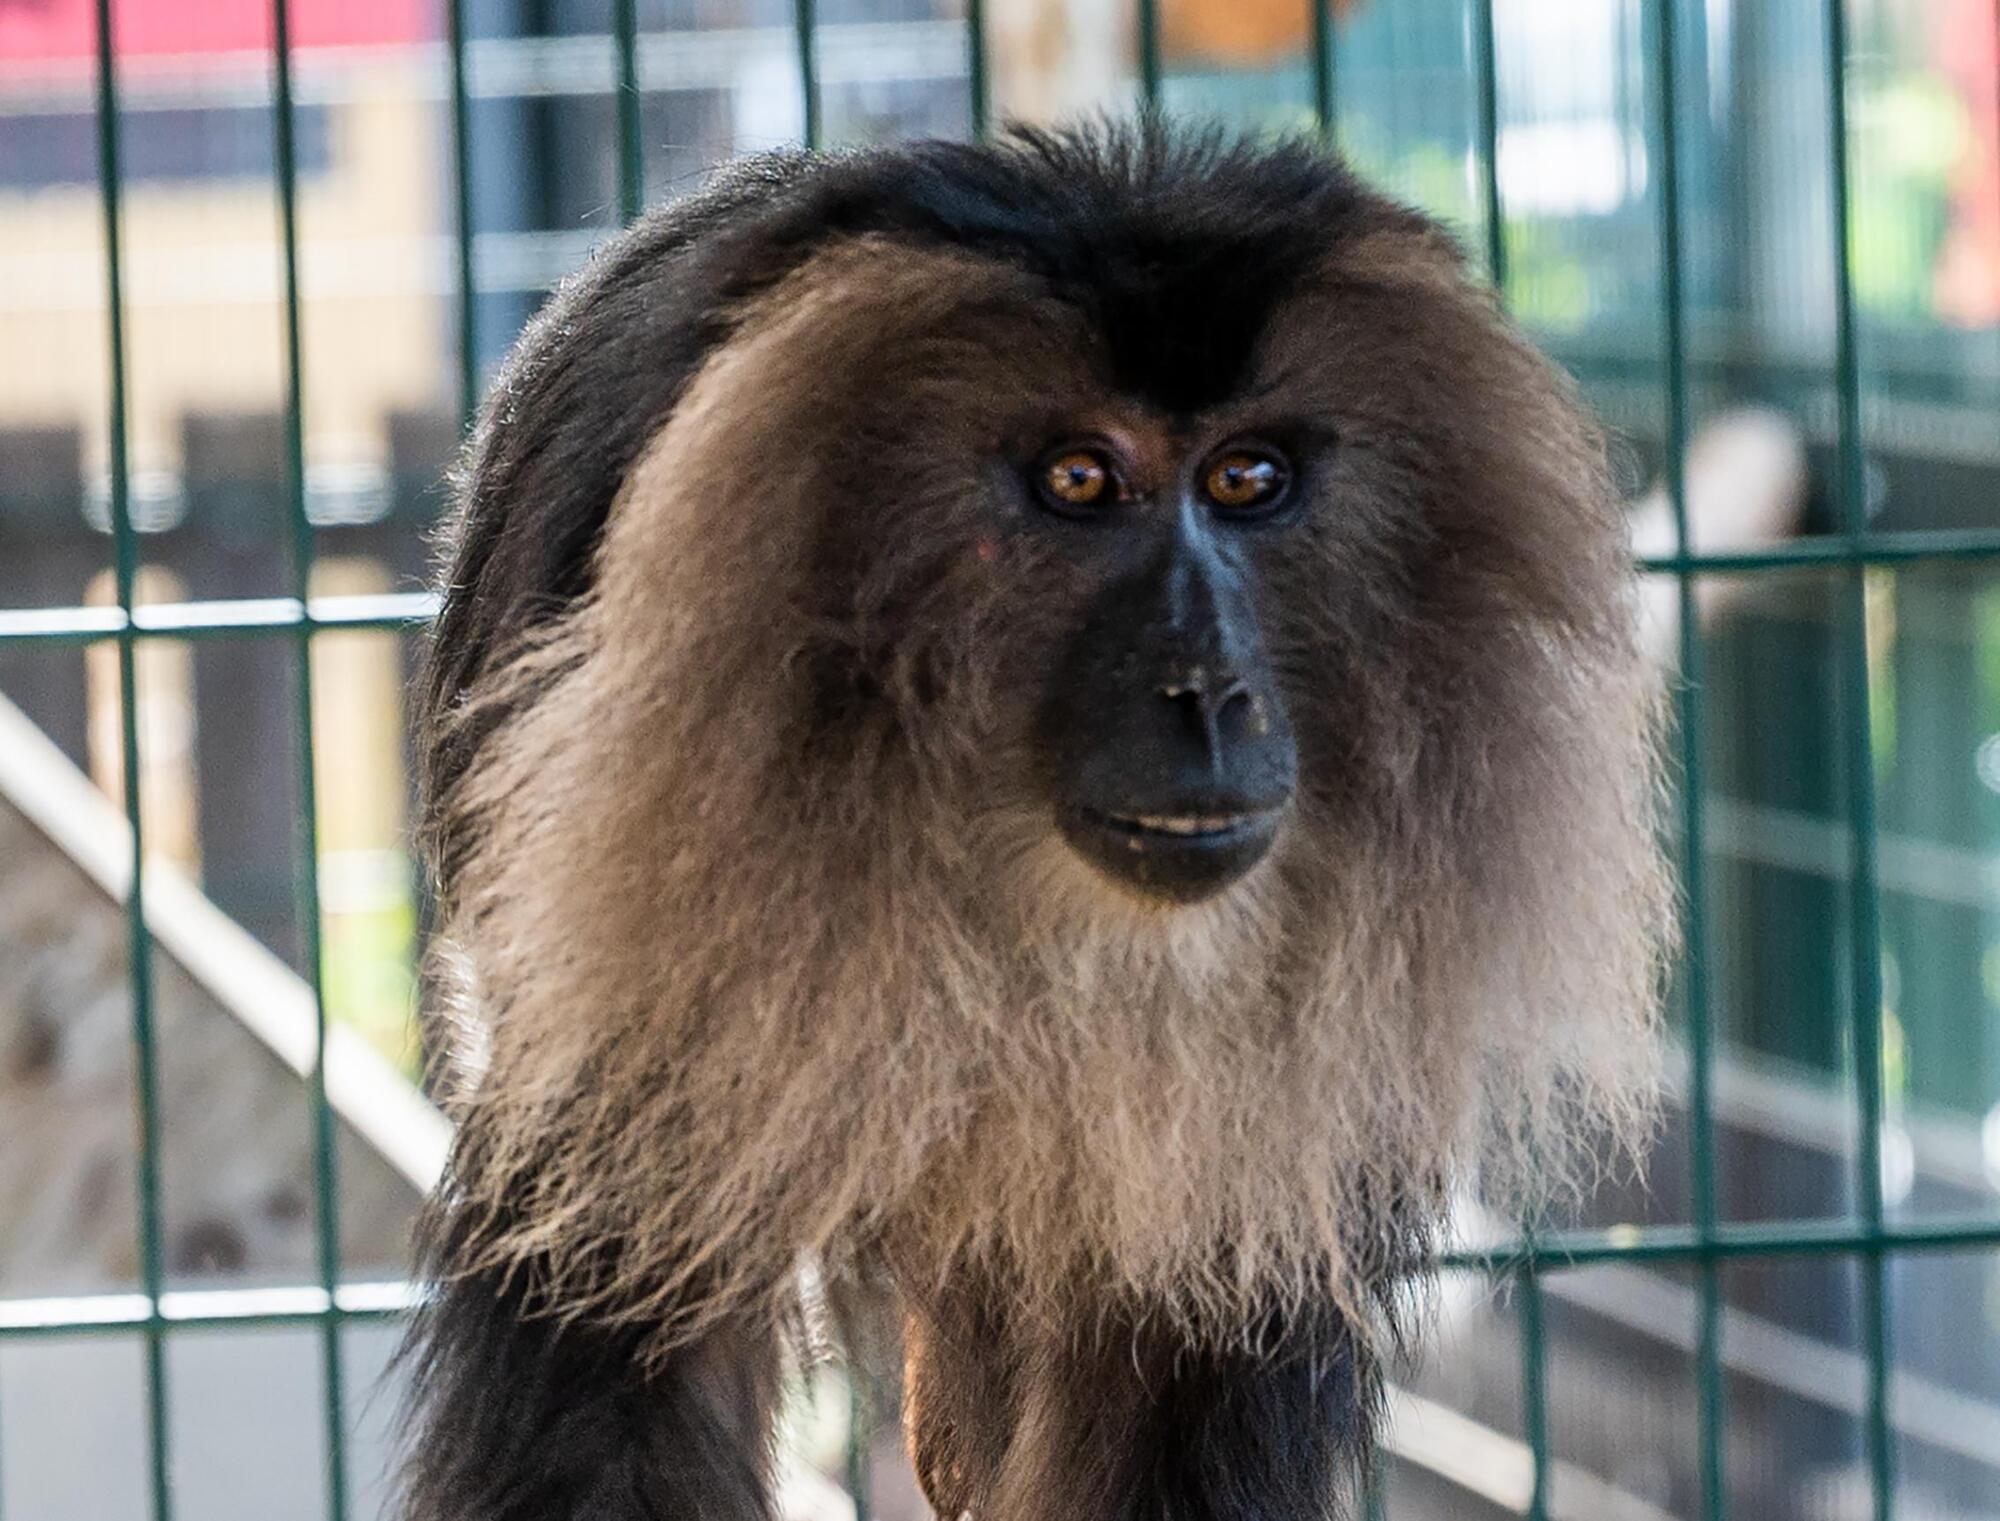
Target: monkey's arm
522,1417
1126,1423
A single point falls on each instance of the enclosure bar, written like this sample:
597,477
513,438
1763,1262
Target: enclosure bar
980,104
326,1182
228,618
80,1315
1324,82
1486,74
631,136
860,1437
139,942
251,615
1866,549
461,179
806,30
1710,1389
1857,726
1149,54
1373,1506
122,1314
1535,1389
1552,1251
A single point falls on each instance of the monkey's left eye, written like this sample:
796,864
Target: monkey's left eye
1245,482
1077,480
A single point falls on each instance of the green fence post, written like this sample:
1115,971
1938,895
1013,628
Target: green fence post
461,178
1149,53
861,1419
631,135
1534,1383
980,104
1710,1388
1323,72
145,1056
326,1181
1856,725
1486,77
805,28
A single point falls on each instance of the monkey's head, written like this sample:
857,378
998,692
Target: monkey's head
1073,699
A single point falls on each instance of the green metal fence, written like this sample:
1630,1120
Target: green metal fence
1704,1245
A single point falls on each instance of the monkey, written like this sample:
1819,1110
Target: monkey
1051,729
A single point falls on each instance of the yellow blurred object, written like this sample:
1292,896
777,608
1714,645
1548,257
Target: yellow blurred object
1240,32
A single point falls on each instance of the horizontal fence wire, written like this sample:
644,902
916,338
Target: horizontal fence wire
1544,1253
224,616
1704,1245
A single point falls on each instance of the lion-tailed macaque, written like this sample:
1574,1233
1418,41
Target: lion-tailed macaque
1053,729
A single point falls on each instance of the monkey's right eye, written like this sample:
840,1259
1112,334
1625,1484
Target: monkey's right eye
1077,480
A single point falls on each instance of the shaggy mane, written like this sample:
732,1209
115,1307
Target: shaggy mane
744,986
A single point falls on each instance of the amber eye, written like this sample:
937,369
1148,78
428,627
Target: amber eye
1245,482
1078,478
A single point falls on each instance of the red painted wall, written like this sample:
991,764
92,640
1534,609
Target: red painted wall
67,29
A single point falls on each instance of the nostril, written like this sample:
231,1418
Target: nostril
1204,702
1231,694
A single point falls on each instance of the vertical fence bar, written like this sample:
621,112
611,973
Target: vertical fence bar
1857,721
980,105
1149,53
1373,1506
805,25
1534,1385
1486,77
125,543
326,1181
461,171
631,135
1710,1389
860,1436
1324,83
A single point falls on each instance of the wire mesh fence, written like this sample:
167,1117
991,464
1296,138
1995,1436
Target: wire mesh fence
1705,1245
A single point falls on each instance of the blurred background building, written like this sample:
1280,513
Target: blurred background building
387,347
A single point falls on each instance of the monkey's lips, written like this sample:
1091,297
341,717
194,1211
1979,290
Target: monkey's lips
1182,854
1191,826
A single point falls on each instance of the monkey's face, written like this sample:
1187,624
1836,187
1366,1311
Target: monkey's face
1172,753
1077,582
1273,618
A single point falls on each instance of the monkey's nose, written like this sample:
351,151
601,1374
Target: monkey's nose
1205,698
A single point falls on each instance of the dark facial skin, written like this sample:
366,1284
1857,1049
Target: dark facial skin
1174,755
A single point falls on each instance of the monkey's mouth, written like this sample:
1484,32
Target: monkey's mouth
1211,828
1180,855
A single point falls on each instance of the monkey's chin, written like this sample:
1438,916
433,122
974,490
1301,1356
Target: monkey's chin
1177,858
